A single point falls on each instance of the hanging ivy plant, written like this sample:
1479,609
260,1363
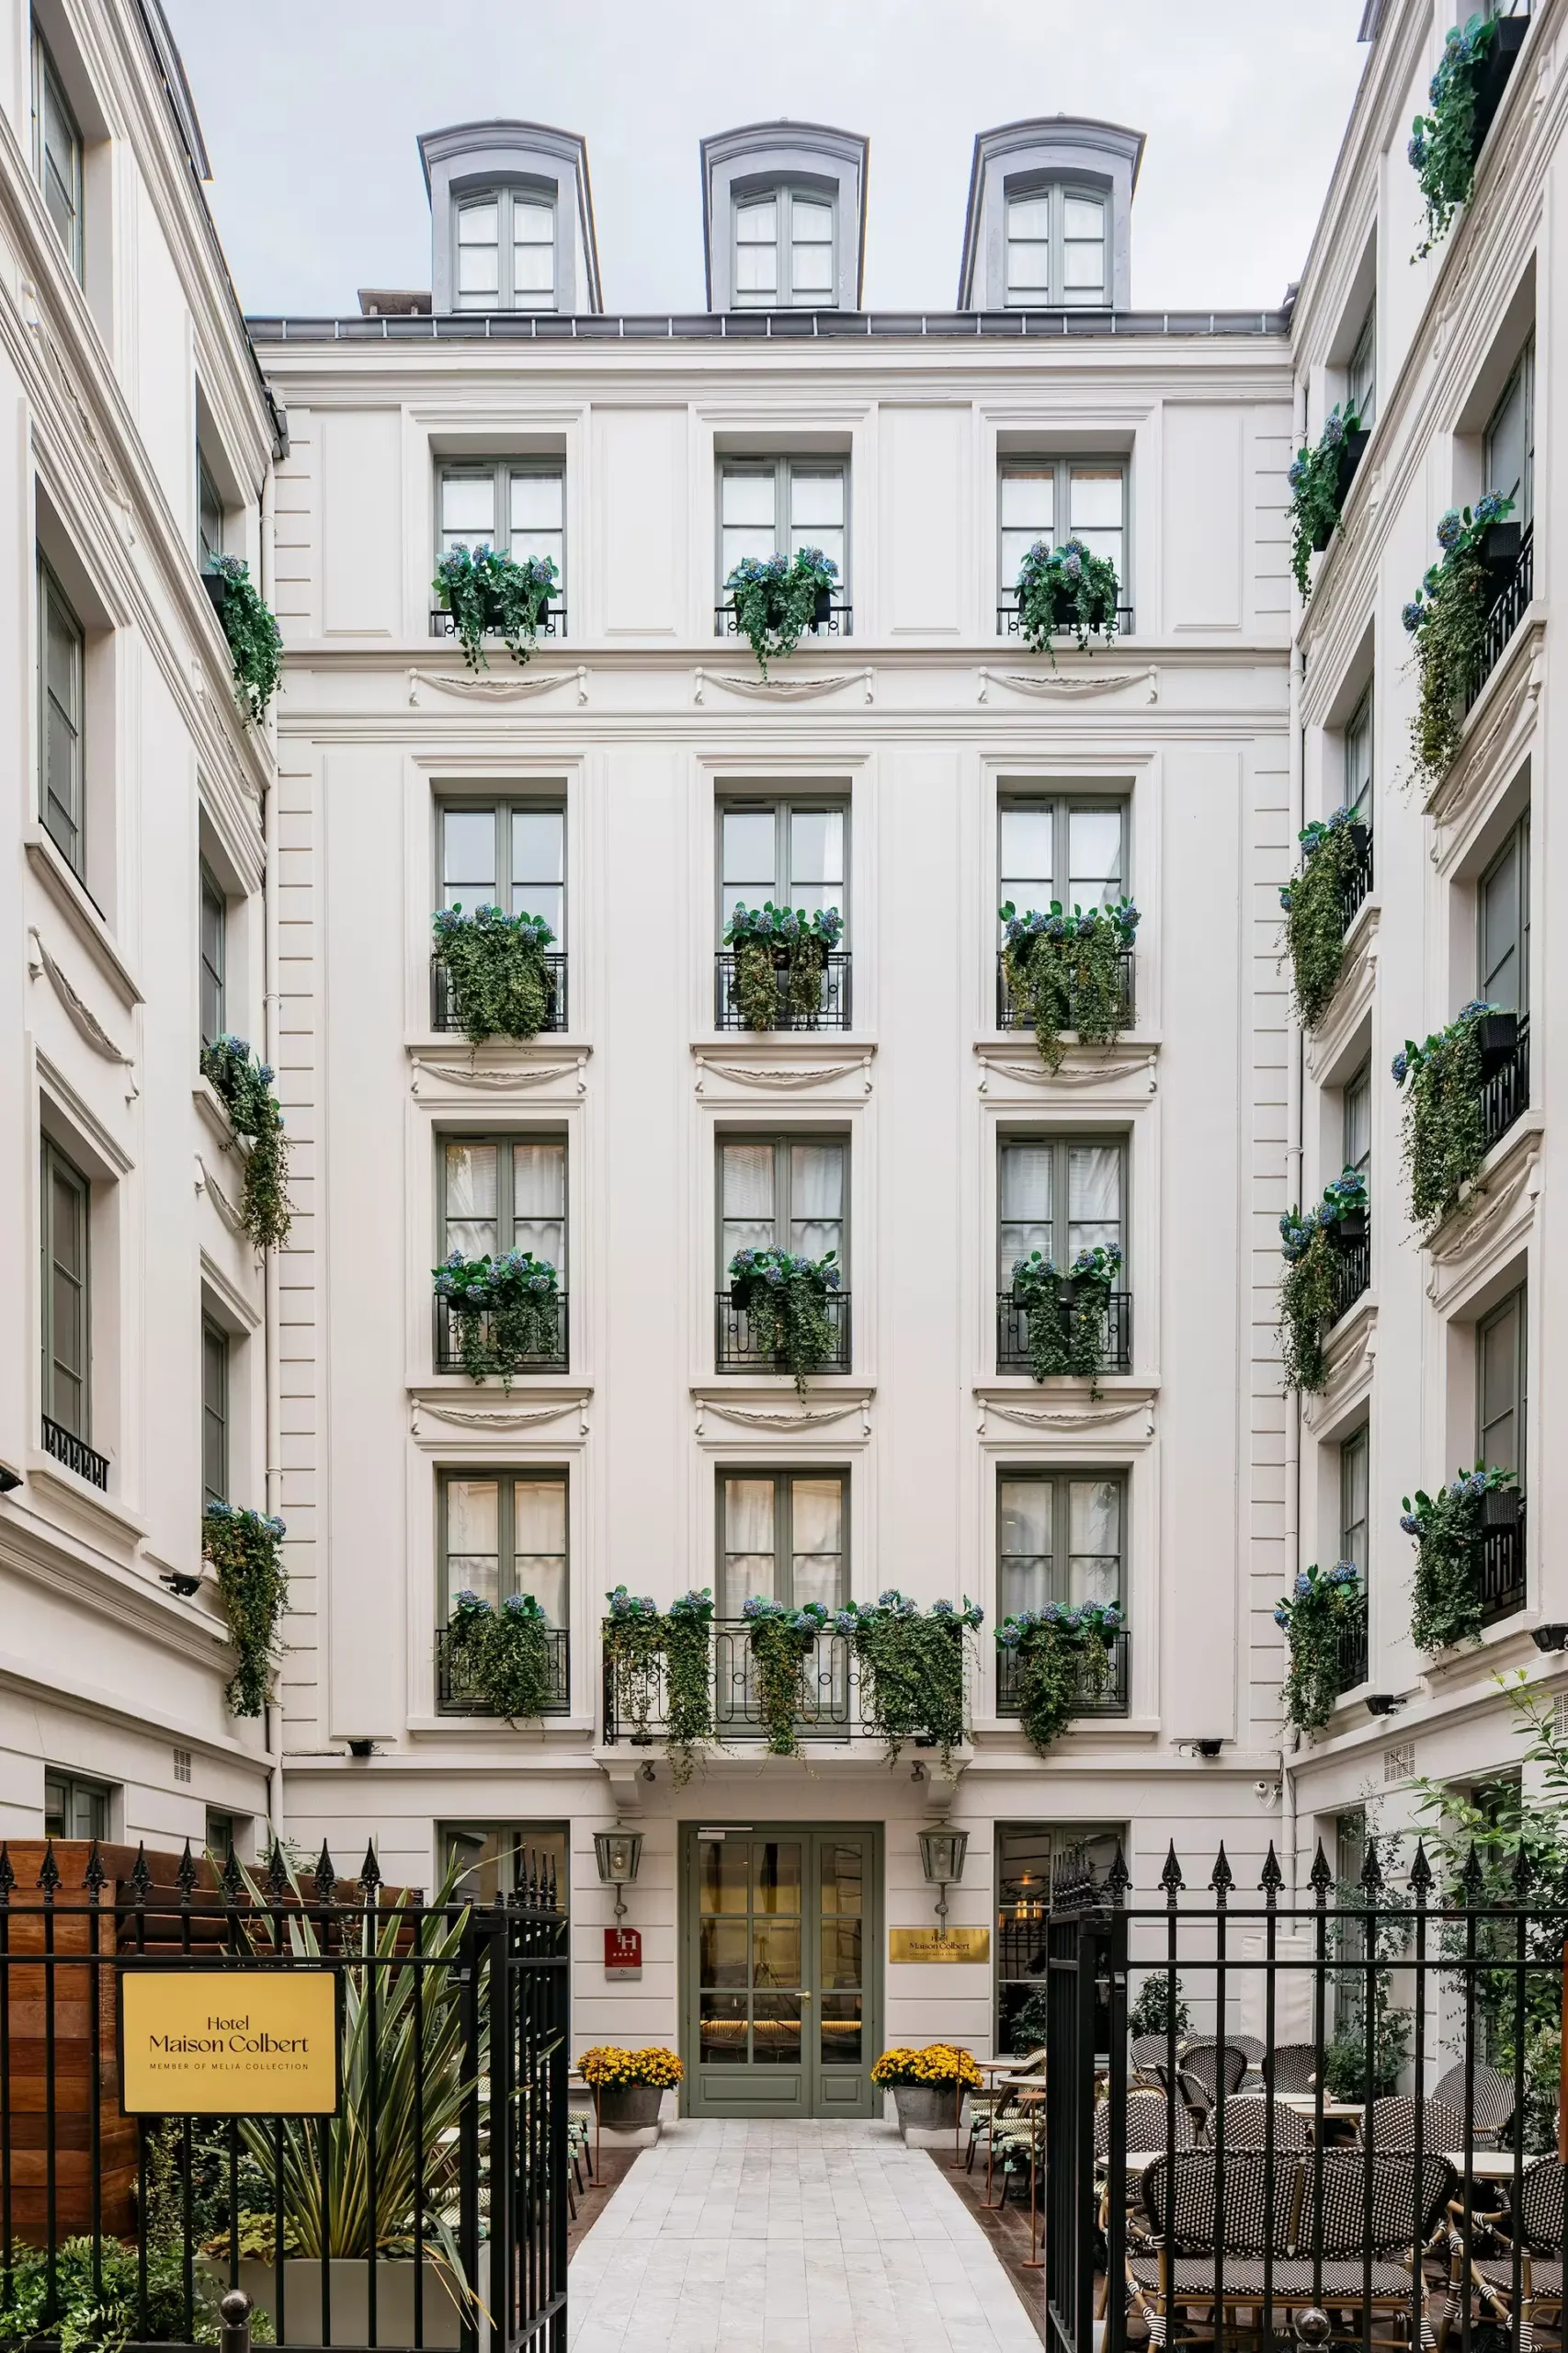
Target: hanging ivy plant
246,1549
507,1310
1066,588
777,599
501,984
686,1632
1317,494
1308,1297
1446,1596
1067,1315
912,1669
1447,618
1443,144
503,1655
1443,1136
1313,902
634,1645
1064,971
1065,1658
256,643
1314,1616
780,949
781,1641
785,1296
243,1083
488,591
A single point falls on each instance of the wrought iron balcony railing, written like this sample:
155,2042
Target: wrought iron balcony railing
1352,1268
1009,622
455,1696
1013,1335
1110,1697
827,1700
831,621
76,1453
1360,881
1506,1075
739,1350
1353,1652
449,1340
551,623
1513,572
443,1000
829,1010
1009,1017
1500,1556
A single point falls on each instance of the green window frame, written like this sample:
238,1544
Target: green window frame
57,153
1358,792
1067,846
784,242
782,1534
505,1530
1502,1385
1058,248
61,651
1355,1508
209,512
779,505
1361,375
1036,496
516,861
1087,1173
1503,925
506,239
225,1830
1036,1510
787,1191
795,852
214,922
515,504
215,1349
1356,1129
74,1807
66,1292
1508,450
504,1191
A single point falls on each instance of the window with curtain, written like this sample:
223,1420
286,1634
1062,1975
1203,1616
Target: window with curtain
1059,1537
779,505
210,513
214,1412
505,854
1510,446
504,1532
1356,1140
783,1535
1501,1387
66,1325
1055,845
1067,498
57,153
75,1808
1358,790
1503,962
1354,1458
214,948
518,505
1361,376
1057,248
61,652
784,244
1059,1195
506,251
501,1193
783,1193
794,852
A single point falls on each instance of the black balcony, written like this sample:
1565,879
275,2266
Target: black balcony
827,1704
1009,622
832,620
831,1009
76,1453
1505,1078
1500,1556
1013,1335
1353,1654
443,999
456,1697
1360,881
552,622
449,1341
1512,570
1009,1017
1111,1698
737,1351
1351,1268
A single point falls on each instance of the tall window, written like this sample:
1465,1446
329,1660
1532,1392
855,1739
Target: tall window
57,153
73,1808
1058,1195
66,1294
214,1412
1067,498
1502,964
1510,440
1354,1456
788,851
1358,797
1060,1538
1361,376
784,251
783,1193
214,951
783,1535
1057,248
501,1193
210,513
777,506
1058,847
505,1532
60,724
505,854
506,251
518,505
1356,1140
1501,1386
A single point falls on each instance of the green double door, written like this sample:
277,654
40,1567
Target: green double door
781,1946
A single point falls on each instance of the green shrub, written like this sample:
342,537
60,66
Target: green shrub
1313,902
503,1656
1308,1295
1443,1134
1314,1617
1443,144
1065,1657
1447,618
1064,971
255,643
1067,1337
1314,511
1447,1605
507,1311
1066,588
243,1084
500,981
246,1549
775,599
784,1297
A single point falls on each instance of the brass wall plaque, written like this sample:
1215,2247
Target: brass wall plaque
228,2041
940,1944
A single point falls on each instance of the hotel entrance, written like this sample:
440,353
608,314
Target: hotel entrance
781,1969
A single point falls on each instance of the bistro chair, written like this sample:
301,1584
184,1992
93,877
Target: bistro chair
998,2105
1202,2063
1390,2124
1147,2119
1494,2102
1290,2067
1541,2258
1247,2124
1176,2272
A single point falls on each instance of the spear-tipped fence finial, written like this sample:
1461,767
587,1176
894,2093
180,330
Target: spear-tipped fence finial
1272,1878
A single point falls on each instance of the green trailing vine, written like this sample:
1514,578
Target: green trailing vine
781,1641
501,984
1314,1616
775,599
640,1639
634,1645
912,1669
1310,1246
1065,1657
1317,494
780,954
246,1549
1064,972
1068,1314
507,1311
488,591
1443,144
254,641
1447,618
1446,1598
243,1084
1066,588
784,1298
1313,904
503,1656
1443,1134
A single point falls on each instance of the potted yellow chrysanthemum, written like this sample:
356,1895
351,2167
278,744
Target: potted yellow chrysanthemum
628,2085
927,2083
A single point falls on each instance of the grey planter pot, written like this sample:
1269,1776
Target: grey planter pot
350,2301
924,2108
626,2108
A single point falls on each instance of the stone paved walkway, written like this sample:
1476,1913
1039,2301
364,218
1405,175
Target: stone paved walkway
790,2238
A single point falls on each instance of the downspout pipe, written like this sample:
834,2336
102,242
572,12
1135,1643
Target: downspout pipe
1294,1124
272,1026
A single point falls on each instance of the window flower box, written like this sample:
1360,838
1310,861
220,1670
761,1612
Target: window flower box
1497,1035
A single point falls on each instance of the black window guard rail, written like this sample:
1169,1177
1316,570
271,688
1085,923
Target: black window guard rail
1500,1557
1111,1697
830,1010
738,1350
456,1696
1359,882
827,1700
1353,1651
1513,575
76,1453
1009,1017
1351,1271
831,621
449,1341
1506,1080
552,622
443,1000
1013,1335
1010,622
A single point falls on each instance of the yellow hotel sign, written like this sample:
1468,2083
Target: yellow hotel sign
228,2041
940,1944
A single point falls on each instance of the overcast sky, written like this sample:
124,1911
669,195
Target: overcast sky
311,110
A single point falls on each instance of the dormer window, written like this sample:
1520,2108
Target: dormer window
784,251
1056,249
506,251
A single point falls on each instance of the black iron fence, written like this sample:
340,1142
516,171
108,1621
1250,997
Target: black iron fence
828,1697
551,623
1505,1082
1353,1642
829,1007
553,1355
1358,882
457,1695
1097,1695
1514,587
1013,1335
1008,1016
414,2193
75,1452
1009,622
831,621
1345,2120
1500,1556
443,1002
738,1349
1350,1271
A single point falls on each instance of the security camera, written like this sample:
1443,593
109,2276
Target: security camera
1267,1793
